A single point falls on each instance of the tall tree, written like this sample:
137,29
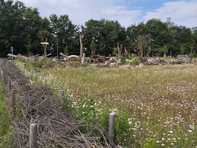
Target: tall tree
104,35
65,34
19,27
159,35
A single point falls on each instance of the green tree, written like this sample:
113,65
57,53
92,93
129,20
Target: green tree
181,40
19,27
194,36
104,34
159,35
65,34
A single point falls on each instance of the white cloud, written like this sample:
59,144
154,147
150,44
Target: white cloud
123,15
181,12
83,10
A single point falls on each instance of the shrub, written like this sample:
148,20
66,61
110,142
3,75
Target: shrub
133,61
85,110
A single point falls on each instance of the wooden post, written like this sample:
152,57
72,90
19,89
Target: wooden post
45,44
45,49
4,78
13,103
9,85
1,73
33,136
62,93
111,125
12,51
62,96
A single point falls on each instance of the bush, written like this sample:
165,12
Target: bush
133,61
85,110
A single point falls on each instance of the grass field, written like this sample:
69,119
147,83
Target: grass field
4,121
156,105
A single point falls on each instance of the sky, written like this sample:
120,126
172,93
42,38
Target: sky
127,12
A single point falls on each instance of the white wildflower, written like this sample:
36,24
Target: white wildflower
162,144
158,141
172,144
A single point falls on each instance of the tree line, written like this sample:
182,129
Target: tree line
24,29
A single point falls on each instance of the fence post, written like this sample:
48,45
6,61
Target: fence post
4,78
1,74
9,84
111,127
13,103
33,136
62,93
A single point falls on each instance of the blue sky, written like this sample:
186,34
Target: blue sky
145,5
127,12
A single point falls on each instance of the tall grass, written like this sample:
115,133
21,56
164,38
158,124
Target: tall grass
5,130
156,105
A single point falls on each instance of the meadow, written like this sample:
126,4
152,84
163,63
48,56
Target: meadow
156,106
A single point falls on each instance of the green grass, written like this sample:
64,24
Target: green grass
156,105
5,130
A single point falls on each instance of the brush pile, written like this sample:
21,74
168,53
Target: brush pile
37,104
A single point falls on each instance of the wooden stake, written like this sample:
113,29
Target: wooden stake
14,103
9,85
1,72
33,136
62,93
4,78
111,125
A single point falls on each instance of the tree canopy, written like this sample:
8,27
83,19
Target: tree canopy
24,29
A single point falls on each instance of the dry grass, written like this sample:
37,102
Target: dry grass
161,100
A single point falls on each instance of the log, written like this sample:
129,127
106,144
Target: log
12,55
62,54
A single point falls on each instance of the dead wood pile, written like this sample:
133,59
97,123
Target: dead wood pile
180,59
